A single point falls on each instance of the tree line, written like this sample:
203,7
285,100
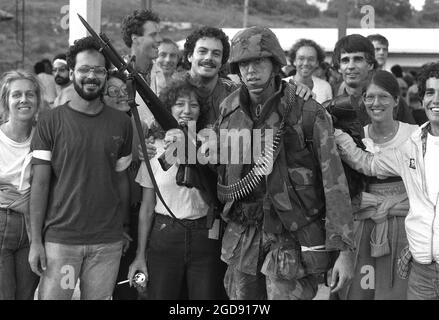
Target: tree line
396,10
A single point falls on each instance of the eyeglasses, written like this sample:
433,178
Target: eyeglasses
98,70
114,91
382,99
61,69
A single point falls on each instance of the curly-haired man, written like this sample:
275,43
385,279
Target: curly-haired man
306,56
206,50
80,191
141,33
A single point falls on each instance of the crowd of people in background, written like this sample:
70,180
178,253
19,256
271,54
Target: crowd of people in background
350,202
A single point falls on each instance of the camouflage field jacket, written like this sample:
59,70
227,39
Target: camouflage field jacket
235,114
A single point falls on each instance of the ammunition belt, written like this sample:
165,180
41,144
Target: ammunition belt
246,185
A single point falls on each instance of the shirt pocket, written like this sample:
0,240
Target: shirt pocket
303,180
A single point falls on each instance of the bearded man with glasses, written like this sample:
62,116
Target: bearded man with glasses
80,190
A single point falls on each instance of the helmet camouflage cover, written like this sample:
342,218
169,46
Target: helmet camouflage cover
254,43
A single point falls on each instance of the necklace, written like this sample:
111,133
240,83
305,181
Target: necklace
385,138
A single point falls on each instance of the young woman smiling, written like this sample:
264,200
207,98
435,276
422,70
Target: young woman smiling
379,220
20,100
180,261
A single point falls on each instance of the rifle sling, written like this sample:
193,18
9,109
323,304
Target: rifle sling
133,105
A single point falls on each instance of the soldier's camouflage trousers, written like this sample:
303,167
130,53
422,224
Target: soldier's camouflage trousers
264,266
243,286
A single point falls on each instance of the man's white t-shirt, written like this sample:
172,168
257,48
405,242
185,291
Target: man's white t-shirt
432,168
322,89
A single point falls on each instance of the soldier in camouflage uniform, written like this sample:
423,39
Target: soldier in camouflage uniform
281,232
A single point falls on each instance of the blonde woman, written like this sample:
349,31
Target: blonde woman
20,100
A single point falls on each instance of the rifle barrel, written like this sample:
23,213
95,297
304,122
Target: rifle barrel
163,116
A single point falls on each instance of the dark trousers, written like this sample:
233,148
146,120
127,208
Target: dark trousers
184,262
17,281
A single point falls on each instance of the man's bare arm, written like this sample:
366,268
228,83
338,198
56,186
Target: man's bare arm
38,207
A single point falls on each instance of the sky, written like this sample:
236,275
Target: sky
417,4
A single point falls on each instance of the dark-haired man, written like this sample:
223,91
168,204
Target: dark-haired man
381,45
47,81
60,71
80,192
206,49
141,33
165,65
306,55
354,58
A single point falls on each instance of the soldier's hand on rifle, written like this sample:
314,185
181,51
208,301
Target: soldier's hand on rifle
343,271
150,149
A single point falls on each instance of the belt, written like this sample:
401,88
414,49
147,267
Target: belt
200,223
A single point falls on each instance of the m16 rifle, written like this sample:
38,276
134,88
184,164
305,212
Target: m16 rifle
188,175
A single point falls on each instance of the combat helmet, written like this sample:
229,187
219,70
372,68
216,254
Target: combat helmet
253,43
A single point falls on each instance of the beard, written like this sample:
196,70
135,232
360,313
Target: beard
61,81
89,96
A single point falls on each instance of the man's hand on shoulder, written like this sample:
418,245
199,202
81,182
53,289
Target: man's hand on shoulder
302,90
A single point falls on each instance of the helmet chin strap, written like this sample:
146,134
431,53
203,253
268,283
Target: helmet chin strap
264,87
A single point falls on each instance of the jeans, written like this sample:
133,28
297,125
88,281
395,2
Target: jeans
95,265
17,281
184,263
423,282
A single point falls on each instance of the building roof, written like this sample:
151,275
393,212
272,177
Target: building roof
401,40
